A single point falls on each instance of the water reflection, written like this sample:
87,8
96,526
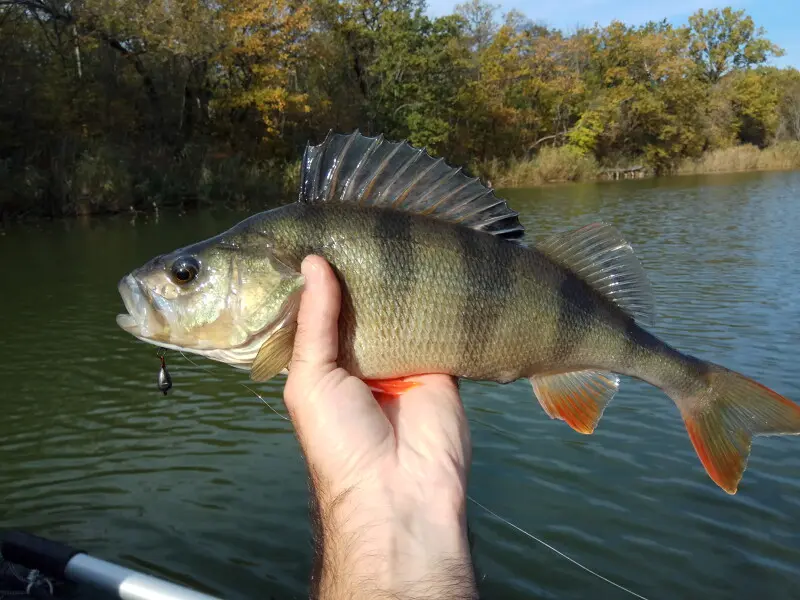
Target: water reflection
207,485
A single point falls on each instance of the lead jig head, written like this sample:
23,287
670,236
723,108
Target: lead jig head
164,379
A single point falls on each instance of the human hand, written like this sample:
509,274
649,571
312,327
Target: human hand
389,478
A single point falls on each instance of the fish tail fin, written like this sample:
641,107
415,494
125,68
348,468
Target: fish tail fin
724,412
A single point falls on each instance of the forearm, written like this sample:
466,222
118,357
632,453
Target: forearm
377,546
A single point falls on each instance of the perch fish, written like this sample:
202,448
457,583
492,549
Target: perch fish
436,278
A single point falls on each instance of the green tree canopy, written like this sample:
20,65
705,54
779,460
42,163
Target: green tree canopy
111,104
724,40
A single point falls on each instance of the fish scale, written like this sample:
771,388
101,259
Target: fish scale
436,278
465,321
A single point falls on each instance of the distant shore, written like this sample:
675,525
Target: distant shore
550,166
564,165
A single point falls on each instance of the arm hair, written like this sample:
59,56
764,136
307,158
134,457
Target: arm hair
332,578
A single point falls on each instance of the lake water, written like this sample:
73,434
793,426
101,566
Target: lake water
206,485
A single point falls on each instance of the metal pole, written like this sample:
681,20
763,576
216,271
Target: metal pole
64,562
124,583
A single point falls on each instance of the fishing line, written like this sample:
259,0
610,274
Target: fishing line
471,499
239,382
556,550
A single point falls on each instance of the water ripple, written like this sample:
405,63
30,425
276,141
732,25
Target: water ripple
207,486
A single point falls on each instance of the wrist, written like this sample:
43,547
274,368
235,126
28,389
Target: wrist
395,543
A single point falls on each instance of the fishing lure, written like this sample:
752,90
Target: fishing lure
164,379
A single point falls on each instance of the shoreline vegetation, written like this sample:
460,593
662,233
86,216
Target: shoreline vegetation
109,107
560,165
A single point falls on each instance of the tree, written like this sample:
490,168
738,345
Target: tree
420,67
112,104
725,40
263,46
644,99
353,29
481,25
789,105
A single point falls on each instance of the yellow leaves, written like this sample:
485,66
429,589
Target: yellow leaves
527,86
243,72
261,50
587,130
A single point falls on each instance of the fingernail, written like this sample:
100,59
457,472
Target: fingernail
307,266
311,271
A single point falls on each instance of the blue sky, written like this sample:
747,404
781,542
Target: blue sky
780,18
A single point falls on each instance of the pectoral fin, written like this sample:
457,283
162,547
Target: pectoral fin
275,353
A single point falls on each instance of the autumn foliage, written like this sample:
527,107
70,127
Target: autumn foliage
112,104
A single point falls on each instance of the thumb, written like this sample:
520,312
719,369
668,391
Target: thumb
316,343
335,415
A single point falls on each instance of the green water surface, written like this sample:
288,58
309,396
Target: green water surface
206,485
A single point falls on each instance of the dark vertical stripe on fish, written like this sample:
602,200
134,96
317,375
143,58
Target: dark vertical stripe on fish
631,346
576,311
515,310
310,230
486,293
396,271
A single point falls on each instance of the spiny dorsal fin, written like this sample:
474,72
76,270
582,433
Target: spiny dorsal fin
599,255
374,172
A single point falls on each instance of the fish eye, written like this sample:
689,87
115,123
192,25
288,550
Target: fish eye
185,269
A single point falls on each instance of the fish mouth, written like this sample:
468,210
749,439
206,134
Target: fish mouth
145,322
139,320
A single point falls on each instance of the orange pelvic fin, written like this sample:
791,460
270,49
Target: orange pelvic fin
577,398
387,389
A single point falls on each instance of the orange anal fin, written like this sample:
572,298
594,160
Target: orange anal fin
577,398
386,389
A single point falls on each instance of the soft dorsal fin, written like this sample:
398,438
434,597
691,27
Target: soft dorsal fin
370,171
599,255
